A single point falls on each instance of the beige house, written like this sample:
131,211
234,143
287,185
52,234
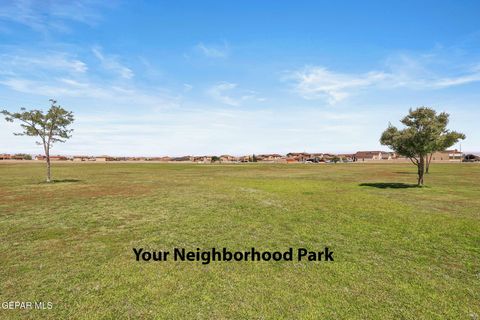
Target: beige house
270,157
447,155
298,157
81,158
368,155
103,158
388,155
373,155
228,158
203,159
52,158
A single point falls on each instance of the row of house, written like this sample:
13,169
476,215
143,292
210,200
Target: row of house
18,156
293,157
447,155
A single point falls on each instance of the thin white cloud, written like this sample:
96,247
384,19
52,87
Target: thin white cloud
63,76
111,63
229,94
449,82
106,94
48,61
44,16
318,82
220,91
213,51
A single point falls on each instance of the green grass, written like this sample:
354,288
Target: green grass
400,252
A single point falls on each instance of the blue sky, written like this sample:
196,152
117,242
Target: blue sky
238,77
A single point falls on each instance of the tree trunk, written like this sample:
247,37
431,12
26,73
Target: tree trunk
421,170
49,175
429,159
49,179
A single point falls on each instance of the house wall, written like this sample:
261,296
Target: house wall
447,156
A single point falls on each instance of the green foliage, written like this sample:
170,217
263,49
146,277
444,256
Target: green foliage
425,132
50,127
215,159
254,158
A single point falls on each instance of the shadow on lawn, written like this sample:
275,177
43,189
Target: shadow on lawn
388,185
65,180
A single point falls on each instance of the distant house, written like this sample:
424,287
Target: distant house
316,157
6,156
80,158
132,158
274,157
228,158
18,156
388,155
135,159
327,157
158,159
58,158
447,155
372,155
52,158
183,159
202,159
103,158
298,156
346,157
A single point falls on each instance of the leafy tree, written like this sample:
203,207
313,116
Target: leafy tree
254,158
442,143
215,159
425,132
50,127
335,159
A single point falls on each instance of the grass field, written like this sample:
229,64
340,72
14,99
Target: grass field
400,252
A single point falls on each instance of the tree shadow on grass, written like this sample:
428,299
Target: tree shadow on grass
55,181
65,180
388,185
406,172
